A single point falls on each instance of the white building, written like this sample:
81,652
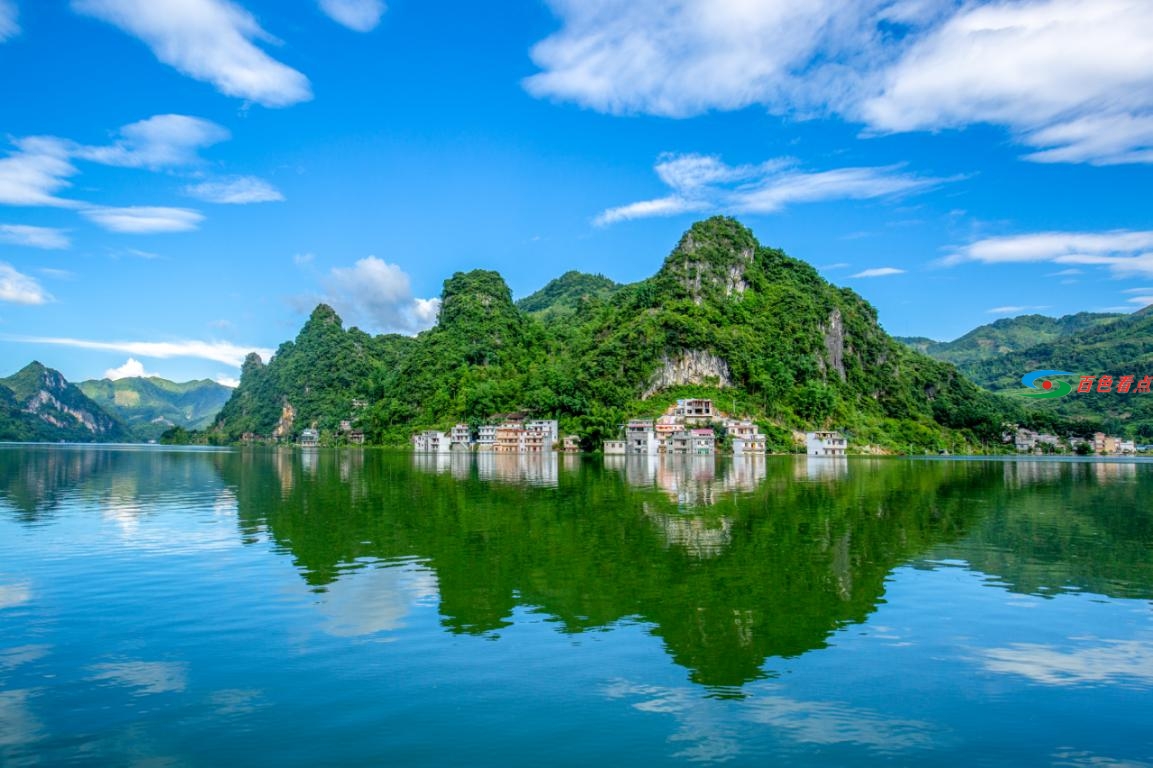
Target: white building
460,437
825,444
614,447
431,441
486,437
550,430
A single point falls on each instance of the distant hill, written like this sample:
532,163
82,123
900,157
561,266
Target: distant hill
1091,345
38,404
571,292
725,317
1008,335
150,406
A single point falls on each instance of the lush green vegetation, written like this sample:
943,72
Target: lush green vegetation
38,404
150,406
1008,335
1090,345
764,335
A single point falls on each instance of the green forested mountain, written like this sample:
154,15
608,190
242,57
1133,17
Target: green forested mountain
1123,346
568,294
1008,335
38,404
150,406
724,317
321,379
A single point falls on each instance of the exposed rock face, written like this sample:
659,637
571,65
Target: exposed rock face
287,420
698,269
692,366
834,332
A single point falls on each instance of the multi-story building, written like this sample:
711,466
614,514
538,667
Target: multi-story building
549,428
460,437
309,438
430,441
701,442
614,447
486,437
744,437
571,444
641,438
694,410
825,444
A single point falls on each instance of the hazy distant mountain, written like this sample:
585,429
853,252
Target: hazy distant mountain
1011,334
38,404
1084,344
149,406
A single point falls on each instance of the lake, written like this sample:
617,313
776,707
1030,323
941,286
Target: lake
195,607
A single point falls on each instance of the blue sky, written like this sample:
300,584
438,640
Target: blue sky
181,181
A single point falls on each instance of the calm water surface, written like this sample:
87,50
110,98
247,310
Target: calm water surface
198,608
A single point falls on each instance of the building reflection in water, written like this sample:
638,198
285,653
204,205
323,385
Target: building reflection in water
538,469
691,481
1025,472
821,469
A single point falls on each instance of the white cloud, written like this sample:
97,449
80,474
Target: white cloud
209,40
1138,290
687,58
18,288
238,190
131,369
228,381
217,351
37,170
1141,300
34,237
58,274
1014,310
9,27
1070,77
377,296
12,595
879,272
147,676
701,183
1116,662
357,15
160,141
145,219
301,259
1124,252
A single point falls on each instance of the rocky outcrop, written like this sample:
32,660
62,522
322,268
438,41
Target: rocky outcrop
700,269
693,366
834,333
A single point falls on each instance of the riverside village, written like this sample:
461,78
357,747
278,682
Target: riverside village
689,427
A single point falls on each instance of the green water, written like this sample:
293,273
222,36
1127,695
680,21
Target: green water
261,607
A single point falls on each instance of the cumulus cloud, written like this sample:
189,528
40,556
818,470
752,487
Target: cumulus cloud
1123,252
702,183
1069,78
209,40
217,351
239,190
160,141
144,219
228,381
48,238
879,272
38,169
377,296
357,15
9,27
18,288
131,369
